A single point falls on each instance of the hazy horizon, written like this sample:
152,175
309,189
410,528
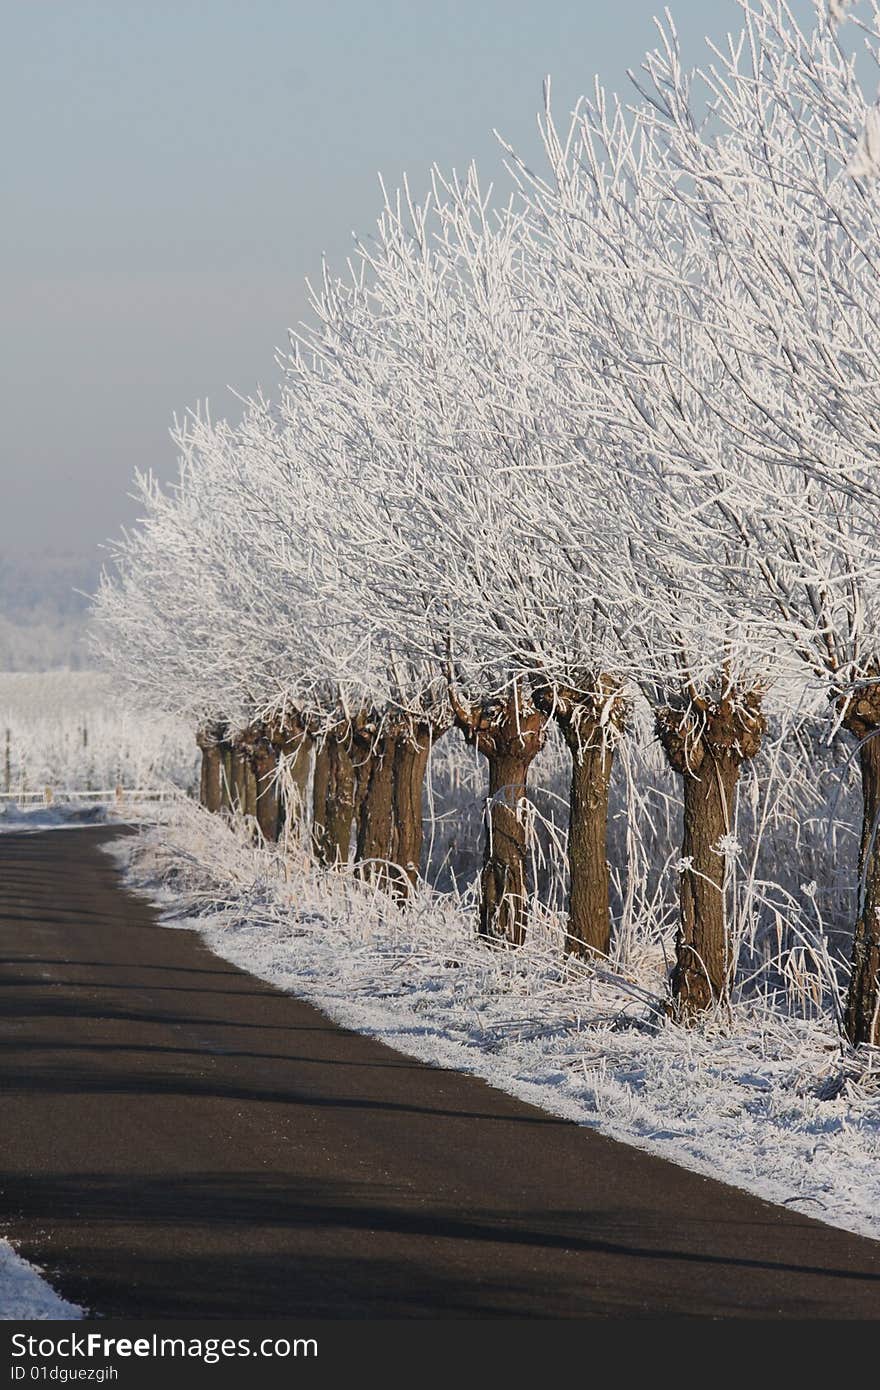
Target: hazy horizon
178,171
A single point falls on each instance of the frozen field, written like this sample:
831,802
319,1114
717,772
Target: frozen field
67,731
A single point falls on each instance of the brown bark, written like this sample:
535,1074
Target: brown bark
862,1012
290,738
375,829
298,751
504,892
391,758
410,765
251,763
706,743
226,776
591,725
264,764
250,790
320,799
333,796
339,814
589,911
509,733
240,766
210,786
362,758
204,777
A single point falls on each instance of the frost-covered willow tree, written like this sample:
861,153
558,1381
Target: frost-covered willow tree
621,287
549,615
159,619
373,707
448,395
326,674
398,522
191,620
782,215
278,622
365,428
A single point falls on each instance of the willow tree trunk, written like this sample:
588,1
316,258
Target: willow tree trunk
862,1012
591,726
503,887
589,910
375,829
320,801
226,778
410,766
510,734
211,785
250,790
707,744
362,757
240,770
339,814
298,754
264,761
703,961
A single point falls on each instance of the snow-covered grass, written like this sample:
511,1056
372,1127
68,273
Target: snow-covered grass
68,730
763,1098
24,1294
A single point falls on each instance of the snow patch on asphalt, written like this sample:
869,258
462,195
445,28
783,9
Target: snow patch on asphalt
24,1293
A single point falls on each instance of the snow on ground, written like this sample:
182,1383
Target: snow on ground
25,1294
766,1102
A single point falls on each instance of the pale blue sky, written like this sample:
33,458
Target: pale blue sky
173,169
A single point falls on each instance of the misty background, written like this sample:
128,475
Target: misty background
174,171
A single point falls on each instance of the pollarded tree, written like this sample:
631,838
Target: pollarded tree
264,632
325,690
401,507
371,712
156,618
195,621
548,614
620,282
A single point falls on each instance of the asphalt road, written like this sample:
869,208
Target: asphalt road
179,1139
